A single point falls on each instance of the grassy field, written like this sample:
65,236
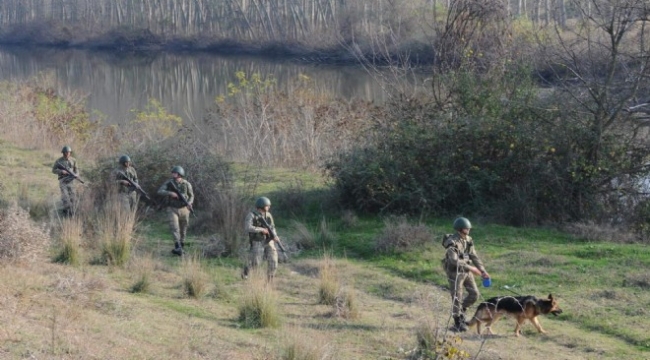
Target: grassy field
92,311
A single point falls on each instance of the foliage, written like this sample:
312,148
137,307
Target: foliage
433,344
63,118
20,238
154,122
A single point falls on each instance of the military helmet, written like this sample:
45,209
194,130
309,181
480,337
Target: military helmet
179,170
66,149
124,159
262,202
462,223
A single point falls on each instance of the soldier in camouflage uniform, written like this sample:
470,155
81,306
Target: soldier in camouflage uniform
178,212
128,194
260,241
461,263
68,195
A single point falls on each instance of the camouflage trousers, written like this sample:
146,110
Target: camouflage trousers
458,281
68,196
179,219
260,251
129,200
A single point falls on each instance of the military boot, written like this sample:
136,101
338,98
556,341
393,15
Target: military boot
459,324
178,250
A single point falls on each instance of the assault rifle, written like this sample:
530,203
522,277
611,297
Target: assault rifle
135,185
70,172
181,197
273,234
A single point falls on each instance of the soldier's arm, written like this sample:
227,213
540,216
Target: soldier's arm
248,224
55,168
475,259
190,194
162,190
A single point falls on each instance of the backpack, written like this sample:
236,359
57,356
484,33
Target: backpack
446,237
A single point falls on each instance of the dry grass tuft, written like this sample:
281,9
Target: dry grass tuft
637,279
69,246
399,235
330,285
259,307
195,279
115,229
20,238
591,231
349,219
346,305
303,237
142,267
297,345
433,343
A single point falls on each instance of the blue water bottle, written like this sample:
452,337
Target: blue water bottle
487,282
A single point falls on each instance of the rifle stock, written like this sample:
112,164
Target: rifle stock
69,171
273,234
182,197
135,185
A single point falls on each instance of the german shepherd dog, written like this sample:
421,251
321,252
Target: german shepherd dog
520,307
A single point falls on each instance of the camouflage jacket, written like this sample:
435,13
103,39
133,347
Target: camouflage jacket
130,173
460,254
183,186
70,163
254,227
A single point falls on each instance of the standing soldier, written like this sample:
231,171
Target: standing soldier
461,264
66,169
180,197
127,192
260,239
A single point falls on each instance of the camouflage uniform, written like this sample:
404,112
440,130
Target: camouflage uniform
68,196
178,213
459,257
259,241
128,194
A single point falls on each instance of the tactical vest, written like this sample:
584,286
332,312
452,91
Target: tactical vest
257,222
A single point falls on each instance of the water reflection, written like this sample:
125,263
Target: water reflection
185,83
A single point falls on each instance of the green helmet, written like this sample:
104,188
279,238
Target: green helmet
124,159
179,170
462,223
66,149
262,202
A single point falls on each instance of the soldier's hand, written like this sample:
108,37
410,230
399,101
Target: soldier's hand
189,207
173,195
63,172
125,183
265,231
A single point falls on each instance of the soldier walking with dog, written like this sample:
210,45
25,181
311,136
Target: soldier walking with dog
461,263
263,239
180,196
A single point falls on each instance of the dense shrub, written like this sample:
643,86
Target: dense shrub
495,154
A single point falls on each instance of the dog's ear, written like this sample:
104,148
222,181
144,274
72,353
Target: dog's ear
550,296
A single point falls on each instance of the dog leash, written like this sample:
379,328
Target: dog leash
512,291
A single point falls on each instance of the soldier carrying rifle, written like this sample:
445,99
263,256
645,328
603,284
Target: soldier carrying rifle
179,196
66,169
263,239
127,181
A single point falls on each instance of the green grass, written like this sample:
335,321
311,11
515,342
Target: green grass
601,286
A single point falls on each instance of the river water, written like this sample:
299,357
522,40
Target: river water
114,84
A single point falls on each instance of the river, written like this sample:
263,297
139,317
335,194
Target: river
114,84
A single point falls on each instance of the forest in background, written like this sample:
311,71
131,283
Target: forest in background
323,30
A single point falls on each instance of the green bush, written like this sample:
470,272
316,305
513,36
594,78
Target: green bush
495,154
